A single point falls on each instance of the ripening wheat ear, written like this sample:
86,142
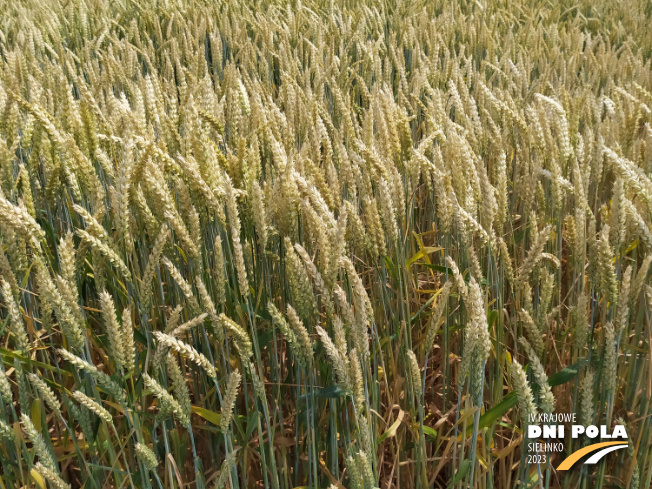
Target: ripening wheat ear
608,284
102,248
127,339
173,328
534,256
225,470
303,337
45,392
415,375
257,381
209,307
581,318
289,334
622,314
167,403
146,456
16,323
7,273
523,391
357,381
506,261
228,401
610,357
183,284
364,465
178,383
186,351
641,276
191,169
42,450
302,294
355,476
51,476
5,388
639,225
152,264
316,278
93,226
7,432
92,406
234,223
459,280
240,336
218,271
187,326
339,334
362,307
437,314
533,332
260,218
103,380
564,137
477,342
546,398
113,329
337,359
16,218
587,411
67,259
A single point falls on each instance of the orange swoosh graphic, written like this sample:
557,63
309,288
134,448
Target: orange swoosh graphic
575,456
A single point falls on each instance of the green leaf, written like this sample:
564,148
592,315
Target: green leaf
464,469
431,432
29,362
331,392
488,418
35,414
566,373
252,423
391,432
391,267
211,416
492,317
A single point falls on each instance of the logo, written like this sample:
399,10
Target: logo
550,427
600,449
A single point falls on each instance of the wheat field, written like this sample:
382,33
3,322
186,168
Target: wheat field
345,245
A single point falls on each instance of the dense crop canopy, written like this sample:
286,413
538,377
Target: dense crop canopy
357,244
